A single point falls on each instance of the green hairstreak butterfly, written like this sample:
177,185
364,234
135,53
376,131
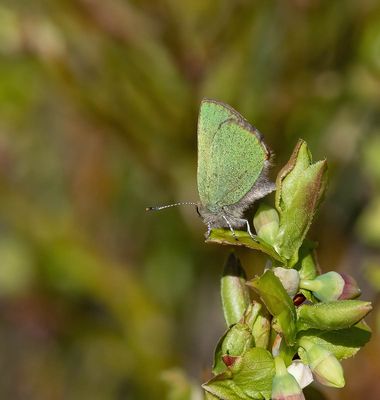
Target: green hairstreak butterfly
233,162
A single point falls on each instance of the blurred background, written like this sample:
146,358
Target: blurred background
98,110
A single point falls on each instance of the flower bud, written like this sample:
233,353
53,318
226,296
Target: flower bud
332,286
300,188
251,313
261,330
266,222
284,385
289,278
332,315
351,289
325,366
234,292
237,340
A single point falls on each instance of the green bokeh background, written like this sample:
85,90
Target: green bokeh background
98,108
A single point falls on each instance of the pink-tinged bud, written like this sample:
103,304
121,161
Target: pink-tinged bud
351,289
332,286
284,385
324,365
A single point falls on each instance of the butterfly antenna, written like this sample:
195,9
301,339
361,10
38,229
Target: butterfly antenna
158,208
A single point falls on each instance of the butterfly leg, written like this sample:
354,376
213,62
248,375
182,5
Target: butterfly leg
245,222
208,233
249,229
230,226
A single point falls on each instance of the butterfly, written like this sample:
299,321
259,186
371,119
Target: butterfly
233,163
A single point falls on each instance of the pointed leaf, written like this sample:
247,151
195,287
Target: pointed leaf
307,266
224,236
278,303
261,329
249,378
218,365
343,343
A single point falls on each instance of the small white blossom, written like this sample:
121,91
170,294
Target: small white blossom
301,372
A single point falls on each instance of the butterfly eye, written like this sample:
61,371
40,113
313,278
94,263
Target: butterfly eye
197,208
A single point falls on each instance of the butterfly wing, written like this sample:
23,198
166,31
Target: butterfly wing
231,155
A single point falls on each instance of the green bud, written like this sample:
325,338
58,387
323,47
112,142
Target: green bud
266,223
251,313
237,340
300,188
284,385
289,278
307,263
332,315
234,292
257,319
278,303
332,286
324,365
261,329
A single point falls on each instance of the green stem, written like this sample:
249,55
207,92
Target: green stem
311,285
280,366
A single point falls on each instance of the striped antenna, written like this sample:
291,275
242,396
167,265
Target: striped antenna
158,208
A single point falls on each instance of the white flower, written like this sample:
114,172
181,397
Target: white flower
301,372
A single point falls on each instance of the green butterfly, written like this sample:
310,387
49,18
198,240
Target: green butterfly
233,162
232,166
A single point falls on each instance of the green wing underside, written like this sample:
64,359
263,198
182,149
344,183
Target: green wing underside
230,156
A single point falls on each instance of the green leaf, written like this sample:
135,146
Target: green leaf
251,313
300,188
218,365
343,343
261,329
249,378
224,388
307,266
234,292
254,373
332,315
278,303
235,342
224,236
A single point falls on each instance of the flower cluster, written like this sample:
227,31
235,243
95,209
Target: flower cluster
302,323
